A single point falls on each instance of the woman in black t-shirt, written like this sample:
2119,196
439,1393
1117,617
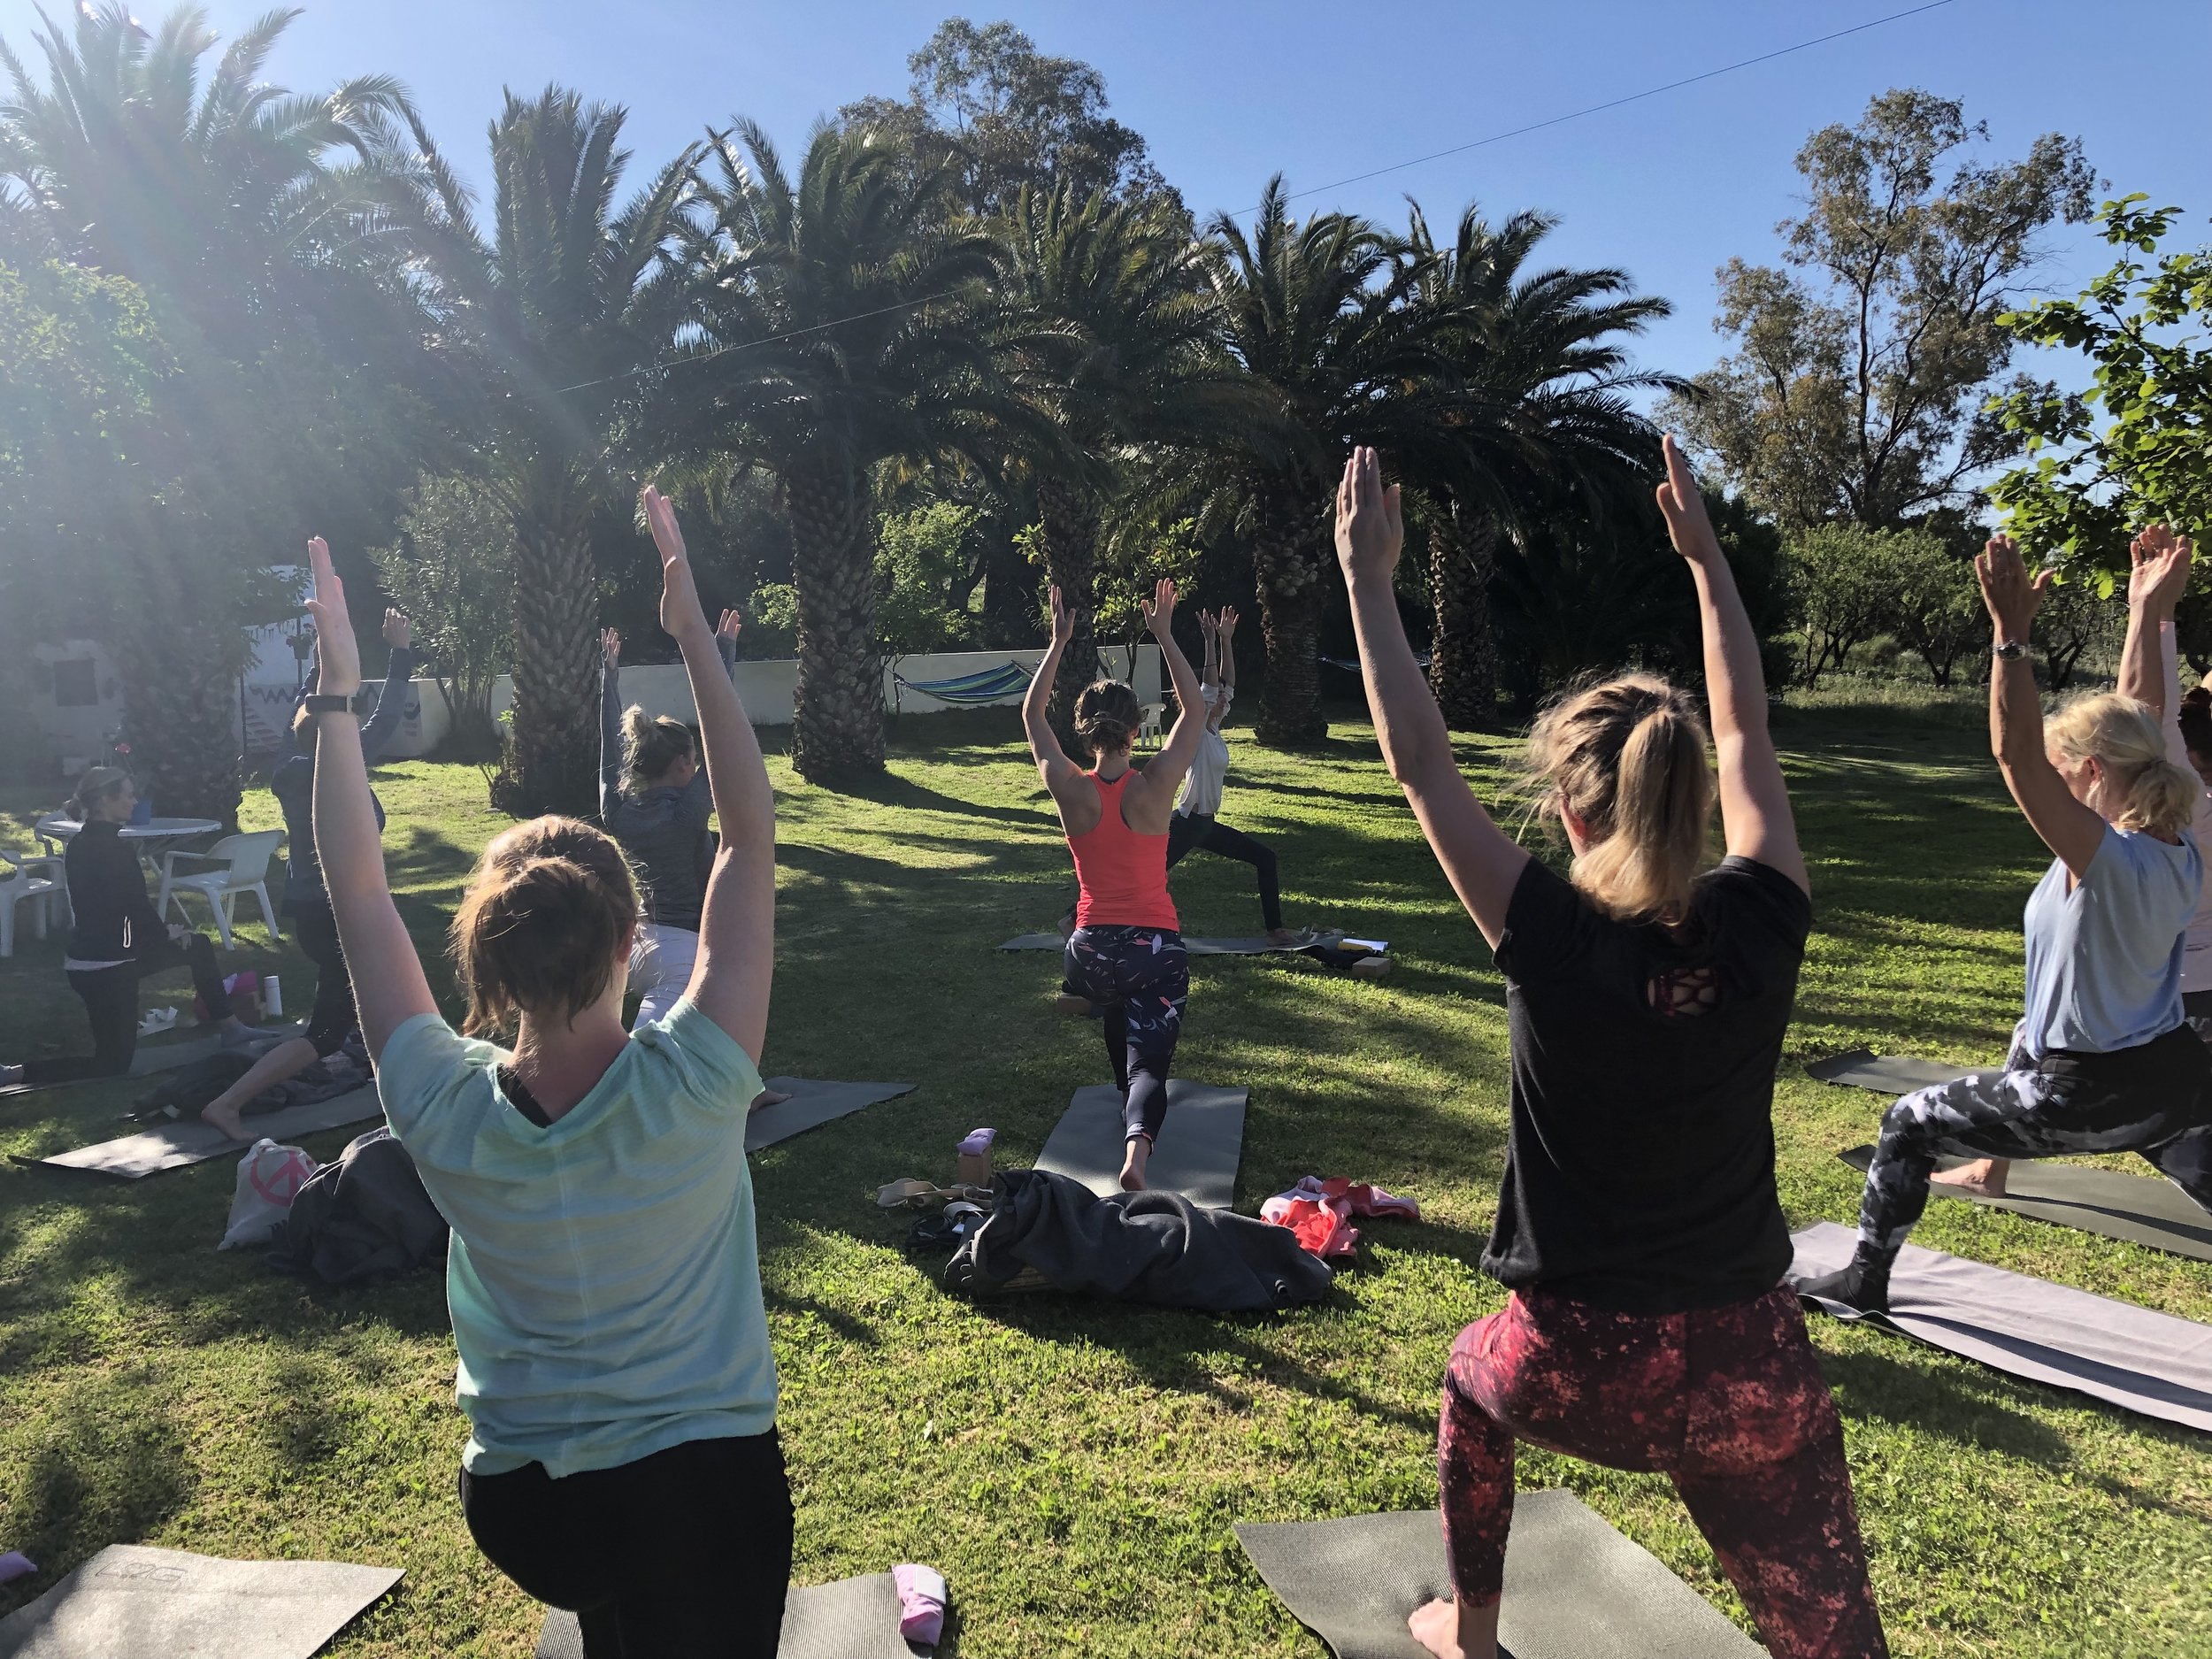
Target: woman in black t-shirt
1638,1229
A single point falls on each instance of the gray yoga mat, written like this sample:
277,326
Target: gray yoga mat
1884,1073
151,1057
812,1104
1574,1587
1259,945
2150,1363
1197,1155
189,1141
854,1618
130,1602
2134,1209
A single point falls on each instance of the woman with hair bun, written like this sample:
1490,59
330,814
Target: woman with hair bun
603,1277
1126,952
1637,1229
2103,1060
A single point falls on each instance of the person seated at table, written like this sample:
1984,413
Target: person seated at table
306,904
119,938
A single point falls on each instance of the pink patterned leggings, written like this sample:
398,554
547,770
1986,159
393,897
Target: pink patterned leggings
1728,1401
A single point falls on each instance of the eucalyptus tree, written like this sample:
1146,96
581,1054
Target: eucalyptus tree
837,323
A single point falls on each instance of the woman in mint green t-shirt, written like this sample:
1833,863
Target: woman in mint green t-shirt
602,1277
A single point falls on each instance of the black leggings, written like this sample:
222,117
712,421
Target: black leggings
333,1019
1187,833
110,1002
1141,976
684,1555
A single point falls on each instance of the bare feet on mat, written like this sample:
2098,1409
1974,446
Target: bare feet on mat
1137,1151
768,1097
1984,1178
1440,1630
1068,1003
225,1119
1283,937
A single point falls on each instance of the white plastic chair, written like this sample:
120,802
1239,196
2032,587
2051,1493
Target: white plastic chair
22,884
1149,729
245,860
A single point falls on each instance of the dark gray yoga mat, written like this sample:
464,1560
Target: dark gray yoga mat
189,1141
1200,1144
1574,1587
812,1104
2150,1363
153,1057
133,1602
854,1618
2134,1209
1259,945
1884,1073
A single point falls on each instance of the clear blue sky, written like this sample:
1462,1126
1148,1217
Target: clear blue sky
1229,91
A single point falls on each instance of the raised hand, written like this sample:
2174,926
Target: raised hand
1370,528
2012,596
338,651
2159,573
679,595
1225,621
1209,626
397,633
1683,505
1159,610
1063,619
727,628
609,647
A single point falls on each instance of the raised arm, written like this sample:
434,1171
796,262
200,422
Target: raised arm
2070,829
737,927
391,700
2150,667
1225,632
1063,778
610,725
1755,803
1152,793
1481,861
389,986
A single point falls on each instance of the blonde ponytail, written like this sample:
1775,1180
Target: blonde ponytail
1626,759
2149,791
651,745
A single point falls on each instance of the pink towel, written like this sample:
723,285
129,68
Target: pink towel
978,1140
921,1603
1320,1212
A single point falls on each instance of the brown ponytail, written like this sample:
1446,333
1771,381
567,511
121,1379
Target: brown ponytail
1626,759
2196,723
1107,715
547,914
651,744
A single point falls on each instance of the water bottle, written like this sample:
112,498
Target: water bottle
272,996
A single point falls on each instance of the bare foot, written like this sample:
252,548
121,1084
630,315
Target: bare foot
1068,1003
768,1097
1984,1178
1440,1631
225,1119
1133,1159
1281,936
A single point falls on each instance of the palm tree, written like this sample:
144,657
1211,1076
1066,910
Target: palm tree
835,328
1318,314
1534,419
1117,334
249,218
561,318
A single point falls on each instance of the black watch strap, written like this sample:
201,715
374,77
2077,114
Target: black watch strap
328,703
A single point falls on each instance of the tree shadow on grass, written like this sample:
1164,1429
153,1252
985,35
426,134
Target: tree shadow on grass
893,789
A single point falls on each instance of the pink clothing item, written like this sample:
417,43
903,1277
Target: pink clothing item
1320,1212
921,1603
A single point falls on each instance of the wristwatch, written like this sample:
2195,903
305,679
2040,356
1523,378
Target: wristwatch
2009,650
328,703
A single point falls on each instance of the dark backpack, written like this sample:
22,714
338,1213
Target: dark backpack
364,1217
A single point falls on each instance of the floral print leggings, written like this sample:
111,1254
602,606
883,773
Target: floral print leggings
1141,976
1729,1403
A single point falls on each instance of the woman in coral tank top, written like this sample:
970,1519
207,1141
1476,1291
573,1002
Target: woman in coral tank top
1127,954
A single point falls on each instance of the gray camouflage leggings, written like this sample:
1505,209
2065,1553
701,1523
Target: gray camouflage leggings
2156,1099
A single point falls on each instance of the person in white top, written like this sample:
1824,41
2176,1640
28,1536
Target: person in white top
1195,824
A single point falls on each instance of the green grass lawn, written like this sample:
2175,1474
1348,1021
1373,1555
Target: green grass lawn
1075,1468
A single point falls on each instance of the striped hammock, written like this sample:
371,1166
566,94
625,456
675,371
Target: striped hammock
993,685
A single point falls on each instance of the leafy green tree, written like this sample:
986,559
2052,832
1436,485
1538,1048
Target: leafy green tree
452,570
1836,580
1857,387
559,319
2132,449
926,579
1934,606
834,328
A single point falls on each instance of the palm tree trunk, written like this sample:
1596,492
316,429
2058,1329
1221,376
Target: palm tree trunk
1287,563
551,763
1464,657
837,709
1070,534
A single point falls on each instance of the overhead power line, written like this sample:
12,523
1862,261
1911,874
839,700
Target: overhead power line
1357,178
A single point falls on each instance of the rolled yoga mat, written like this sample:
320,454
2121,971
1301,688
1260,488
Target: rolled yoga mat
2134,1209
133,1602
173,1146
2150,1363
812,1104
1884,1073
1574,1587
1200,1144
854,1618
151,1057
